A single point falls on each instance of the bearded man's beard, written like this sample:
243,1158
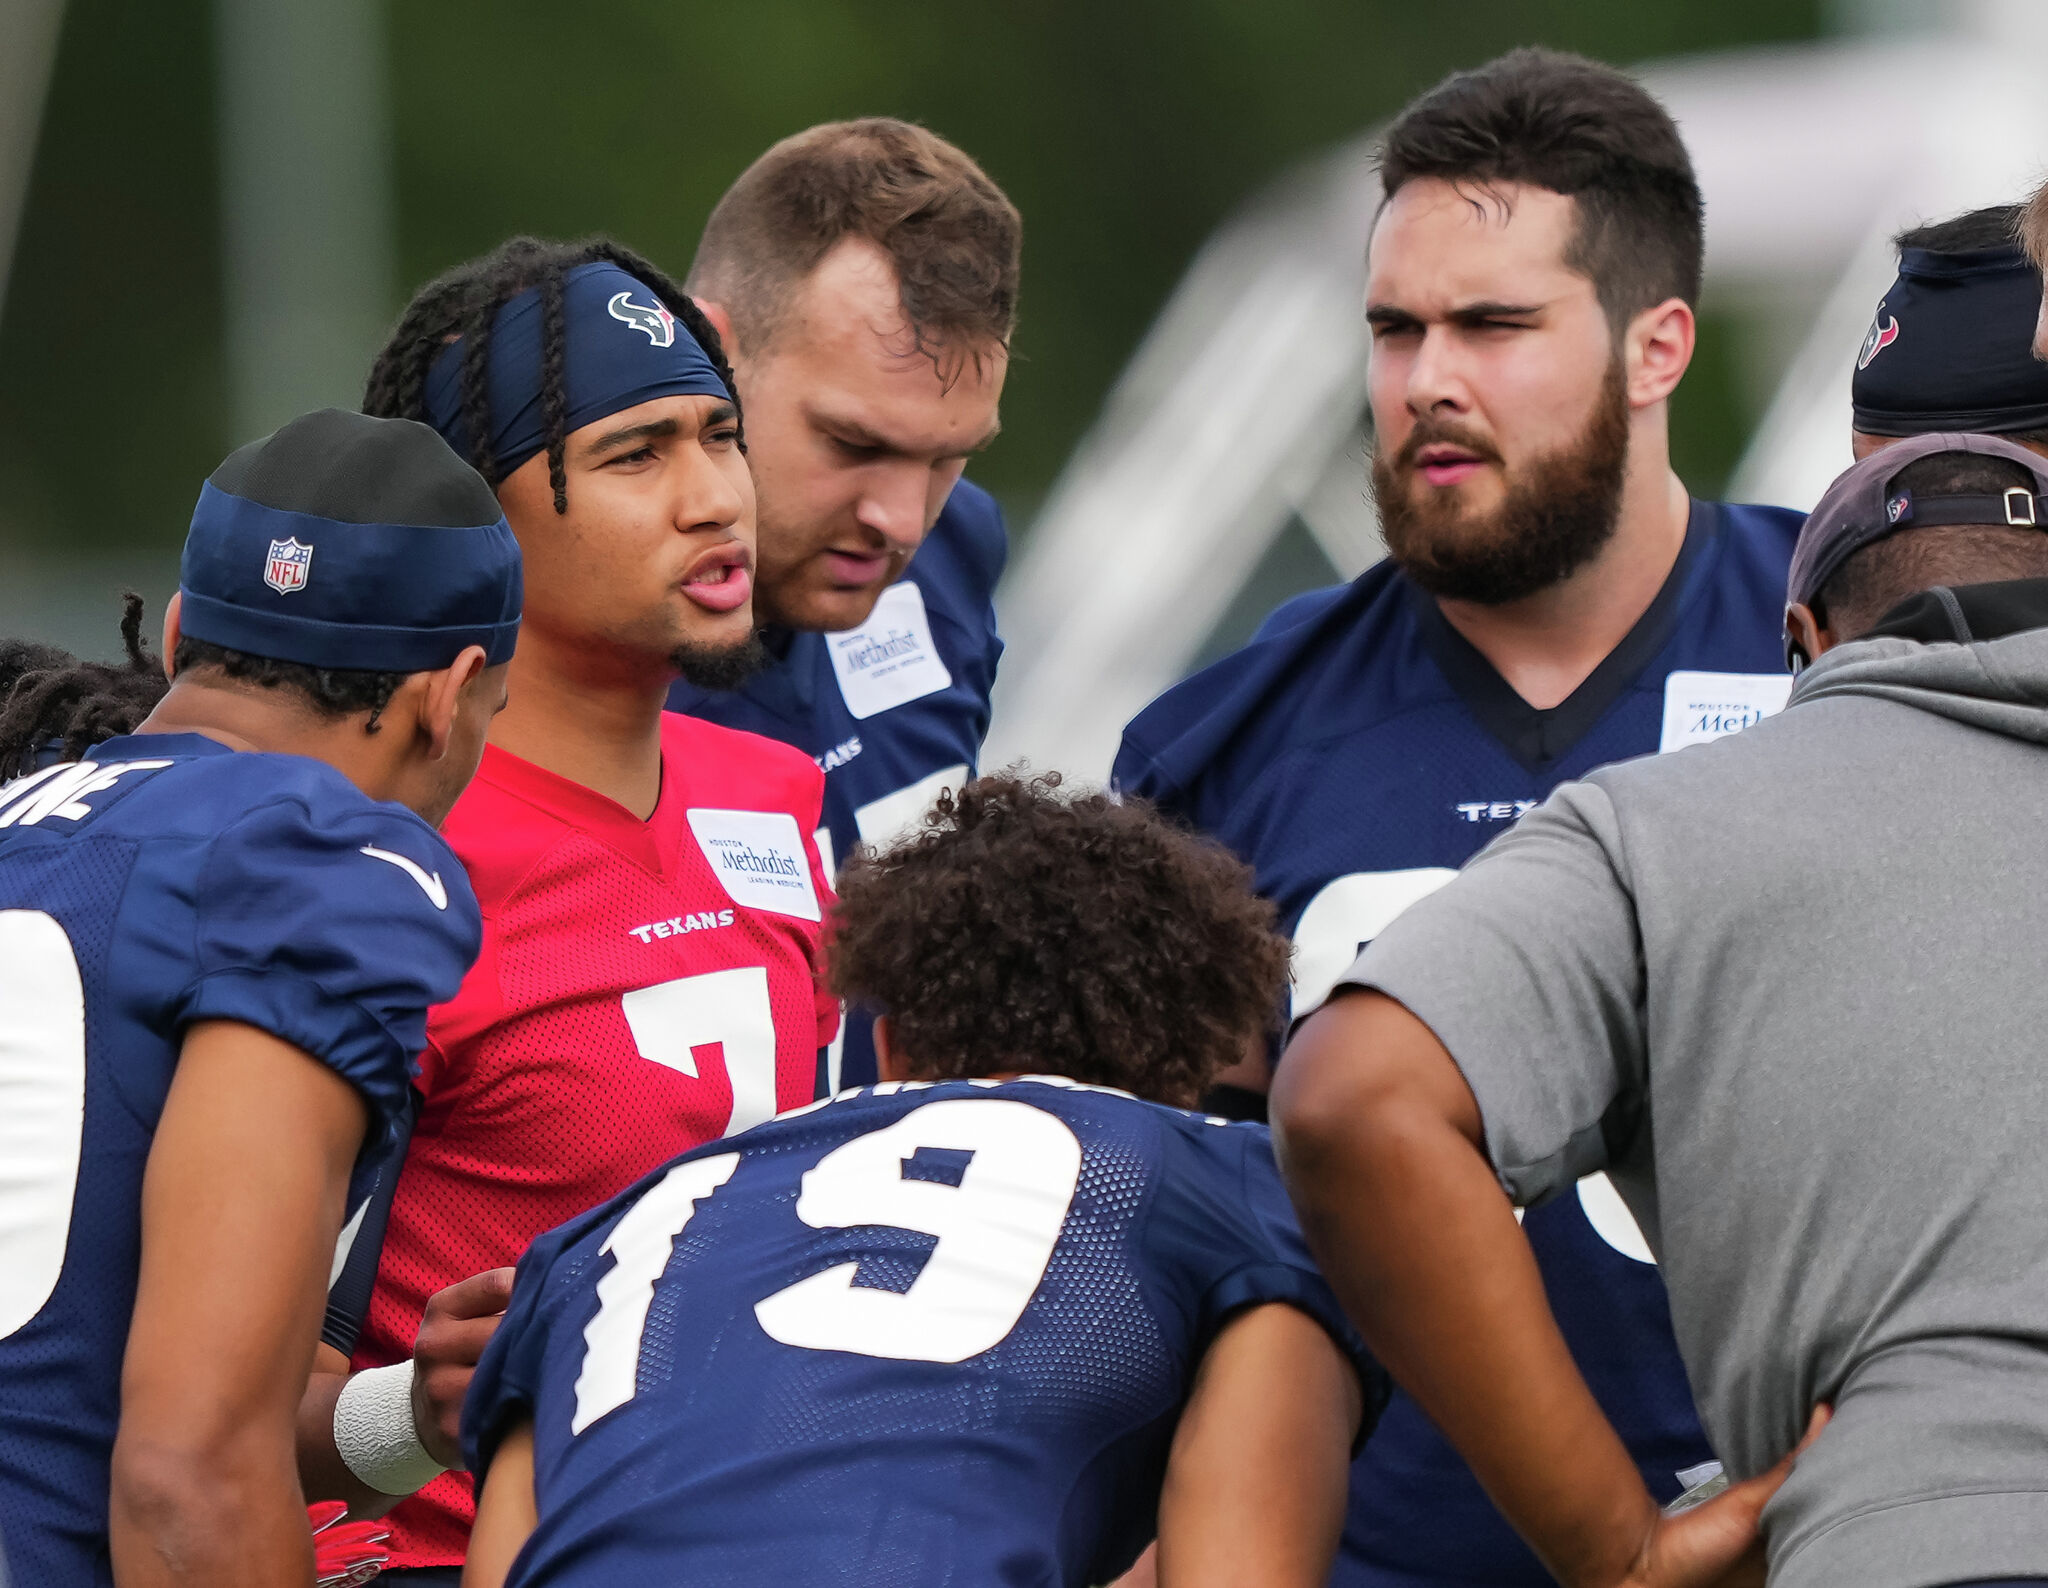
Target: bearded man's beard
721,668
1555,518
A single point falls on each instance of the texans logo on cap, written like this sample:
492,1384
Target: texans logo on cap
657,322
286,568
1880,338
1898,507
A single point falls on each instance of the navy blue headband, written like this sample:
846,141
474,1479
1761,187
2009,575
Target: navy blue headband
621,347
1951,348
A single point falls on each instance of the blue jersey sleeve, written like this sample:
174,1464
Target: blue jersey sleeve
507,1380
334,929
1224,1215
371,1190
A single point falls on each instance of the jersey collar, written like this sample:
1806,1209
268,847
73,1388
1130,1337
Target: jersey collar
1538,736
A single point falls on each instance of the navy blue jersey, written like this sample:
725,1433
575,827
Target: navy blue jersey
1355,754
165,881
924,1334
893,711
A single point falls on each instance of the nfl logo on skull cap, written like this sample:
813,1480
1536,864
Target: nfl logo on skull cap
287,566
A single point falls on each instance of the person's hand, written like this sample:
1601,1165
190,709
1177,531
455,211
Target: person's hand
1718,1544
345,1554
459,1323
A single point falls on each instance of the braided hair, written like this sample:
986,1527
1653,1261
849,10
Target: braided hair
53,707
464,304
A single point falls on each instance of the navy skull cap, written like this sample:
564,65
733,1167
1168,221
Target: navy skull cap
1866,504
350,542
621,346
1951,347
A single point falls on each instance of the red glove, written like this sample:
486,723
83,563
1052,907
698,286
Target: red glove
345,1554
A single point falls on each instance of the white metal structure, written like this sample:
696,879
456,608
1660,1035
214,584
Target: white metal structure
1244,408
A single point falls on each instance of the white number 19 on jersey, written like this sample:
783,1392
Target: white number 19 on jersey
995,1230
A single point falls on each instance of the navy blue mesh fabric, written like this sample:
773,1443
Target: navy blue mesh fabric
744,1459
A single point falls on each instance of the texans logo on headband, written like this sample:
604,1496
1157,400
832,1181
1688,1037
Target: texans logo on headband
657,322
1880,338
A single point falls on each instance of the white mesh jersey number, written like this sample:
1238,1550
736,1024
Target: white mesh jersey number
42,1108
641,1245
727,1007
996,1231
1348,913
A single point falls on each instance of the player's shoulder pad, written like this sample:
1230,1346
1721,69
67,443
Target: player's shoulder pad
774,775
970,536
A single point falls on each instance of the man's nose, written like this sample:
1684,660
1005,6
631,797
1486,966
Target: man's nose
1435,378
893,505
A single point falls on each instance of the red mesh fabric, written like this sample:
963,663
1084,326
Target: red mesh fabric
538,1101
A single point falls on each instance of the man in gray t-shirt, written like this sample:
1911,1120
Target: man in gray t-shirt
1788,990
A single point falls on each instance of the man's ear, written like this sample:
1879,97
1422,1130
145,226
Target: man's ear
1658,348
443,698
1806,634
721,321
171,608
889,1065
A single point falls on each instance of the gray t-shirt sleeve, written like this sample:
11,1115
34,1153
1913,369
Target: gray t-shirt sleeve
1528,966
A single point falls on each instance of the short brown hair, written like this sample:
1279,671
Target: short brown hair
953,237
1024,930
2033,228
1582,129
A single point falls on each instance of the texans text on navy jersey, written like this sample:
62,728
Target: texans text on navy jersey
950,1326
893,711
1356,753
170,880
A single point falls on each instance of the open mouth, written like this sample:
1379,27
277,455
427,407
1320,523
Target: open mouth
719,581
1443,464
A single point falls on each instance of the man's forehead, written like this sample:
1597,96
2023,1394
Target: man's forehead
1440,244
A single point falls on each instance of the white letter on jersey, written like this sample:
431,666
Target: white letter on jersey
42,1108
996,1232
727,1007
641,1245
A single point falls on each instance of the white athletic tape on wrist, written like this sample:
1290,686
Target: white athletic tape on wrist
374,1432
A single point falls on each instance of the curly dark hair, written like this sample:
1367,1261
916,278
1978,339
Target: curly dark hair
1025,930
463,304
52,703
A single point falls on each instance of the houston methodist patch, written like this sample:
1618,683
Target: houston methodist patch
657,322
288,564
758,858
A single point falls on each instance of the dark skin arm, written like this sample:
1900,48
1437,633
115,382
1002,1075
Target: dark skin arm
1380,1140
459,1323
241,1205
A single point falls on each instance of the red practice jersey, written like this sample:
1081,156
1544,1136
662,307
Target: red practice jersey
644,987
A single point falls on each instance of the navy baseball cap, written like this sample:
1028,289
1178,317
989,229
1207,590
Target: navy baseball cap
350,542
1866,504
1951,347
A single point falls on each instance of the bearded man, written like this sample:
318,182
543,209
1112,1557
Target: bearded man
1552,600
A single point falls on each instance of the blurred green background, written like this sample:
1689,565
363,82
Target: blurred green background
1124,132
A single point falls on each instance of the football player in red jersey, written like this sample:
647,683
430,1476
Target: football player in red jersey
652,897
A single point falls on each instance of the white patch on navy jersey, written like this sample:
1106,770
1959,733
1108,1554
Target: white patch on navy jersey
1701,707
889,820
758,858
890,659
430,882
